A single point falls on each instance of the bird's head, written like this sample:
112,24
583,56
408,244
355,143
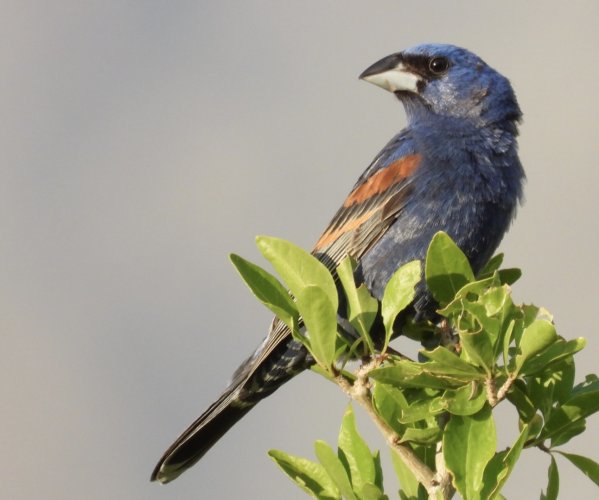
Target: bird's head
448,82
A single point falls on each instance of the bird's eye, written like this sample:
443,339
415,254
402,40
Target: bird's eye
438,65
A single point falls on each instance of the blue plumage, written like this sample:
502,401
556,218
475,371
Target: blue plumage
455,168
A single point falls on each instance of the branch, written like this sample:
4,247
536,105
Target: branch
359,391
494,396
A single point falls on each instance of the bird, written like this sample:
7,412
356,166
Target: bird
453,168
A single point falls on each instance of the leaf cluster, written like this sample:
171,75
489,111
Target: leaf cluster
437,412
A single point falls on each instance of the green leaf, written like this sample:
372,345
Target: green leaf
500,467
410,488
469,443
526,315
536,337
492,476
519,397
320,318
509,276
297,267
331,463
554,353
389,402
499,302
444,357
428,454
268,290
466,400
407,481
535,425
469,290
422,409
479,320
309,476
427,435
443,370
494,299
561,377
477,348
506,276
493,265
399,293
507,340
447,268
569,432
354,453
551,386
372,492
552,483
584,402
474,289
589,467
558,379
362,307
410,374
378,470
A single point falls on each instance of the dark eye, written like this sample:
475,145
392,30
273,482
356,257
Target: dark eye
438,65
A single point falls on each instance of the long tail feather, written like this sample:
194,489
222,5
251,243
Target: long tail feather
273,364
200,437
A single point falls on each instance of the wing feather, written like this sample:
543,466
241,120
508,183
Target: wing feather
372,206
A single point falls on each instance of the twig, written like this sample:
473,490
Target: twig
442,476
495,396
359,391
506,386
491,391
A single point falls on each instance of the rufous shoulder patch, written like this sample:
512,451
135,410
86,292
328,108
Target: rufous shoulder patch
383,179
333,234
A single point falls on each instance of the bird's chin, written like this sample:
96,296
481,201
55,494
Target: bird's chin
403,94
406,97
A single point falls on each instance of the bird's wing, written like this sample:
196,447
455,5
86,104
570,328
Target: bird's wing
371,207
368,211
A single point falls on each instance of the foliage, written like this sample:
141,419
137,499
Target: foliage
437,412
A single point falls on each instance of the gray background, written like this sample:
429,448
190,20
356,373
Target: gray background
142,142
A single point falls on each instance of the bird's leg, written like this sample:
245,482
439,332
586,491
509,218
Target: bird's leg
447,336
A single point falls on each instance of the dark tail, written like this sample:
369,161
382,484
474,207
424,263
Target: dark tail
200,437
273,364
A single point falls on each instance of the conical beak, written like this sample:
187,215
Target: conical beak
390,73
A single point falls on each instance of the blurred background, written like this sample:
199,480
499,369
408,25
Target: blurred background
143,141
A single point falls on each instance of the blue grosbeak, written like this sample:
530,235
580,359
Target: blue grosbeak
454,168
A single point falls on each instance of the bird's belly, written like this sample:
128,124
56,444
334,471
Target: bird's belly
476,227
